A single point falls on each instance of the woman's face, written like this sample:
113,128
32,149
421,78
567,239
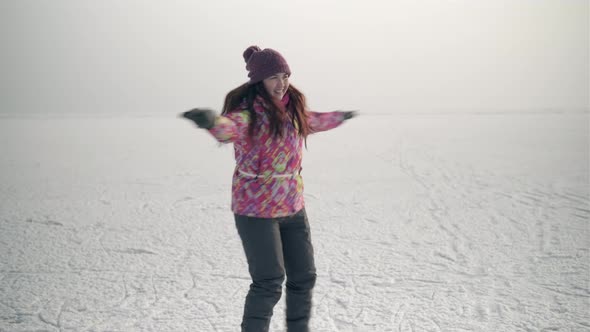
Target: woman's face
276,85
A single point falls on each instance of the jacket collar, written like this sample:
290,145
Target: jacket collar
281,104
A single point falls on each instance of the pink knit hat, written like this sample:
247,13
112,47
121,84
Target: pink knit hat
262,64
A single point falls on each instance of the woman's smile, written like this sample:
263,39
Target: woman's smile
276,85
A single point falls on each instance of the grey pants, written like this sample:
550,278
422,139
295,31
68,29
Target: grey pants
274,247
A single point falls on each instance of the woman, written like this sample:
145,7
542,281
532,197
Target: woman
267,121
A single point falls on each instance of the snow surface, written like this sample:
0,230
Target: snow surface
424,222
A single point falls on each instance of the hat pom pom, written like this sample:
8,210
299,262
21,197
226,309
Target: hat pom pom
249,51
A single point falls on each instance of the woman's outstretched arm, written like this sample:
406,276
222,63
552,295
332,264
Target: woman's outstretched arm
319,121
225,128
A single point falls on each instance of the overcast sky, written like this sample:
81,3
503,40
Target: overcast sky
381,56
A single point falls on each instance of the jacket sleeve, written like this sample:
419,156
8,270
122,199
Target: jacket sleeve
231,127
324,121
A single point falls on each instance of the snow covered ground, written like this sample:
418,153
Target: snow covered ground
427,222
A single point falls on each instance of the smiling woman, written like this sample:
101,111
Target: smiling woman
268,121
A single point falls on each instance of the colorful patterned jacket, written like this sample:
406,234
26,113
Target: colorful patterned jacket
277,191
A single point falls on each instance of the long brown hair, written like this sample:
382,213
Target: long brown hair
295,110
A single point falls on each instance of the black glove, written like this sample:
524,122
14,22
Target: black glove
349,114
202,117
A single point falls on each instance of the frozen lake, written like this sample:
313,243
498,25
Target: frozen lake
450,222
